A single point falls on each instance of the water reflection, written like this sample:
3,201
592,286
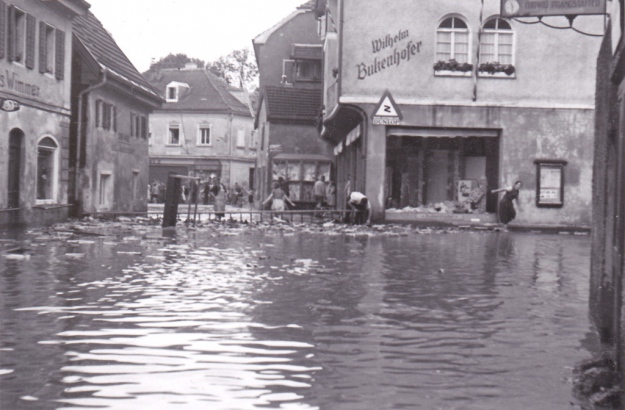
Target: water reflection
295,320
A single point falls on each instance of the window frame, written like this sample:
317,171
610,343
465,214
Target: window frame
291,76
453,31
53,174
497,32
240,139
171,87
47,48
204,126
169,135
17,35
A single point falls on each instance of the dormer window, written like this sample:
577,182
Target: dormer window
174,92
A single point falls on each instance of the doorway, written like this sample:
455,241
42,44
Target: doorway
15,167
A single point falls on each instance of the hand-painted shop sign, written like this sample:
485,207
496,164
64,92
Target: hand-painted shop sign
539,8
9,105
386,112
275,148
389,52
11,81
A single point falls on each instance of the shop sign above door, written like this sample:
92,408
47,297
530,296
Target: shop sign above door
9,105
386,112
539,8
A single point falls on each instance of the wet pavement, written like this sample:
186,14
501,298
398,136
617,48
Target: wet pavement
126,315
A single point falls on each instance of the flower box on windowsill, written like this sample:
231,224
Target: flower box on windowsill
452,68
449,73
496,69
483,74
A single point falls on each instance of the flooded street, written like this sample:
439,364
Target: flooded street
135,317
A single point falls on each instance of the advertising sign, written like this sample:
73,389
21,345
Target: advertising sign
386,112
539,8
550,183
9,105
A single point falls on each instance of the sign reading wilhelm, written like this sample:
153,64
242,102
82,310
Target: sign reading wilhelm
539,8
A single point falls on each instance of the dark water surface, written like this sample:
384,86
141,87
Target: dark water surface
254,319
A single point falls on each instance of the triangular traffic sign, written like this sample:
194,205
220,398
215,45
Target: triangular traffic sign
387,107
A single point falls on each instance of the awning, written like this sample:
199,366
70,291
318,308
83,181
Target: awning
442,132
301,157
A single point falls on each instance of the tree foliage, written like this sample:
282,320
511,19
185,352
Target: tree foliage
237,68
174,61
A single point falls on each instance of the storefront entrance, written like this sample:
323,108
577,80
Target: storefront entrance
442,174
15,161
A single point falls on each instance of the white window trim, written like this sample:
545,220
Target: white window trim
175,99
104,205
284,76
50,52
497,32
180,135
199,134
54,174
242,146
452,31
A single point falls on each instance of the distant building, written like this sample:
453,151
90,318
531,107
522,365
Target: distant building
35,109
111,104
201,130
289,57
424,98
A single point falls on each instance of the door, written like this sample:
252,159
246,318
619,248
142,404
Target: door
15,166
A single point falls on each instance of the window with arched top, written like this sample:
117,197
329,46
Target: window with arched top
497,42
47,169
452,40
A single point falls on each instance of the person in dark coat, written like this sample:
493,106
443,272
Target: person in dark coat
506,209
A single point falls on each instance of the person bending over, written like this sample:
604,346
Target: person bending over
361,208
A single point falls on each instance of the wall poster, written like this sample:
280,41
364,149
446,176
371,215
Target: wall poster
550,183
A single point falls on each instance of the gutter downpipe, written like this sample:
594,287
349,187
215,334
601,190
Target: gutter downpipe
82,133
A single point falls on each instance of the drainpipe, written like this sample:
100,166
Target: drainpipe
81,133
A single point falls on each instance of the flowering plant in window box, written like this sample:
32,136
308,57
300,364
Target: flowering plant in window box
496,67
452,65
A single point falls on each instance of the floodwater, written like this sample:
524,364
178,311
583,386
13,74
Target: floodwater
251,318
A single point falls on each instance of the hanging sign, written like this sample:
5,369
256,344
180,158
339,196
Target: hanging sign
9,105
539,8
387,112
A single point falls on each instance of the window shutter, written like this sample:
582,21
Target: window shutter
132,124
98,104
43,55
59,69
114,118
144,128
3,28
31,32
11,33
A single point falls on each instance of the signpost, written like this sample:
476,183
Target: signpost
387,112
540,8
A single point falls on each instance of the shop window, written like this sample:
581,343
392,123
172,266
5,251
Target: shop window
173,135
452,40
14,167
46,48
47,160
550,183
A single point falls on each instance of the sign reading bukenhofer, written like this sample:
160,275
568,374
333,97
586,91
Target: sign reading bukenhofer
538,8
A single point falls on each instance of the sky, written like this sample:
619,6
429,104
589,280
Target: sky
204,29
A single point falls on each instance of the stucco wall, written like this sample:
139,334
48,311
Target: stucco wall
301,29
118,154
547,61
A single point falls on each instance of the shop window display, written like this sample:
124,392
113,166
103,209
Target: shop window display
440,174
